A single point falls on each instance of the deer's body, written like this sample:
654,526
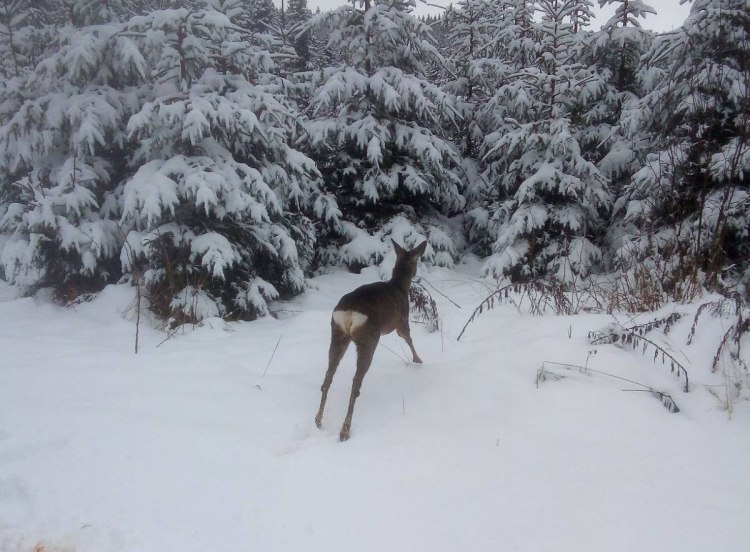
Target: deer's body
363,316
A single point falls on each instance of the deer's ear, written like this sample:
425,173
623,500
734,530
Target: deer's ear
419,250
399,250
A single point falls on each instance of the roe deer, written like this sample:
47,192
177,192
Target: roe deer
363,316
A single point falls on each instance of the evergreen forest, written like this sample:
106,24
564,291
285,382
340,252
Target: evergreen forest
218,153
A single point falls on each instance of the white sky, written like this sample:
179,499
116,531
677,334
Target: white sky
670,14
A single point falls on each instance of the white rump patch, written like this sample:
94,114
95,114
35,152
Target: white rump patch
349,320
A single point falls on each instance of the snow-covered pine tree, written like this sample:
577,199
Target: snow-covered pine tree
477,62
184,102
686,210
84,13
622,41
319,30
440,27
581,16
502,33
617,50
489,43
258,16
232,9
27,35
64,151
297,16
217,199
14,15
594,108
543,210
377,133
523,43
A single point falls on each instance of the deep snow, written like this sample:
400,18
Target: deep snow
189,447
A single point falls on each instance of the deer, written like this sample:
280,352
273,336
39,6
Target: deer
365,314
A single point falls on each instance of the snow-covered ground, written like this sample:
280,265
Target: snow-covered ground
188,446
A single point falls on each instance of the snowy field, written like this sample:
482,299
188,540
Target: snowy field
188,446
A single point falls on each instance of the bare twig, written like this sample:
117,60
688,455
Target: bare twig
406,362
498,295
426,281
272,355
137,314
542,295
633,338
170,335
665,398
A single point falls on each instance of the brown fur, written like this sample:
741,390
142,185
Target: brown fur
385,306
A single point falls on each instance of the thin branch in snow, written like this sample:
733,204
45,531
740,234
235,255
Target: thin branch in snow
272,355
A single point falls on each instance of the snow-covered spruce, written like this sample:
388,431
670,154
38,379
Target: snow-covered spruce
377,124
159,148
215,207
64,158
483,45
685,212
543,203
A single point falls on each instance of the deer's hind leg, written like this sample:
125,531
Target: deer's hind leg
404,333
365,351
339,343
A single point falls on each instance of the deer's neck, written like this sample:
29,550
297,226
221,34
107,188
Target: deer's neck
401,279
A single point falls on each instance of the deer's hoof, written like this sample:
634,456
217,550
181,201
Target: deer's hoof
417,360
344,435
318,422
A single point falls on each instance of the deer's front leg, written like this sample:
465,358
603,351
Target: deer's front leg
404,332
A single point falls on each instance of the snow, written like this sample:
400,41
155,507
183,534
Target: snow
215,251
206,441
195,303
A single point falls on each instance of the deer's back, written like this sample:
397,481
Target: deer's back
382,303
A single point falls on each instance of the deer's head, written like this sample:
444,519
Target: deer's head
406,262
